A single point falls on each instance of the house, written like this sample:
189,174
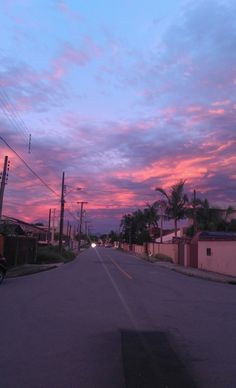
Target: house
14,227
217,252
210,251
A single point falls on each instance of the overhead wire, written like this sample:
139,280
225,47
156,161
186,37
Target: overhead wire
15,119
29,168
12,114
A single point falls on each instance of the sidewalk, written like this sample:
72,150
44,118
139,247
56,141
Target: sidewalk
199,273
29,269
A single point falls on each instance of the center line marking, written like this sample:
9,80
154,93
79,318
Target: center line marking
121,269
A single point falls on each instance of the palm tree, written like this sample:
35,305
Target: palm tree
212,218
229,211
151,215
194,207
126,226
175,202
135,226
160,207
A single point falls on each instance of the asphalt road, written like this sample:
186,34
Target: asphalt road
109,319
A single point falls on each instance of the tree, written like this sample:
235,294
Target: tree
160,207
135,226
175,202
127,228
151,215
194,205
208,218
113,236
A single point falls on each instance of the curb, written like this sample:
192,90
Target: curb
191,272
30,270
204,275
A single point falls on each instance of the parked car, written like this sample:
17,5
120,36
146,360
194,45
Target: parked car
3,268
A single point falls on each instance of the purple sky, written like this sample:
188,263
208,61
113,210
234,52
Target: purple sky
122,96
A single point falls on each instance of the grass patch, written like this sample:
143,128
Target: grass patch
50,255
158,257
162,257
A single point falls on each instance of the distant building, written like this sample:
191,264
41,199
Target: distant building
14,227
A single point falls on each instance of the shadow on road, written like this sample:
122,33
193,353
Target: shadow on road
149,361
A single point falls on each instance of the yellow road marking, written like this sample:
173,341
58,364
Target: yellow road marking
121,269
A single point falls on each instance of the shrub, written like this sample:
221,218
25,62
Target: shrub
50,254
162,257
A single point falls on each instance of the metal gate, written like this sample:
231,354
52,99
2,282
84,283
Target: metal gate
193,251
181,244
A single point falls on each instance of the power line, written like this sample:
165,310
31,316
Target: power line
12,115
15,119
31,170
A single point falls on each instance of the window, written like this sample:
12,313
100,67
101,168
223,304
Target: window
208,251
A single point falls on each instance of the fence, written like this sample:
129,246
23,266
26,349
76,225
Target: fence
20,250
1,244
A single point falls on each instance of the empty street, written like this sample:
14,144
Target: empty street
109,319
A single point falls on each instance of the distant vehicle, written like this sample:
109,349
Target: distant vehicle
116,244
3,268
108,245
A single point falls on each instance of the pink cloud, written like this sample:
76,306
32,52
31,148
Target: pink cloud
194,108
88,51
217,112
220,103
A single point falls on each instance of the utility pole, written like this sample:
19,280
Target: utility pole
87,228
162,206
80,221
62,211
161,229
53,226
67,230
69,235
49,224
4,179
194,212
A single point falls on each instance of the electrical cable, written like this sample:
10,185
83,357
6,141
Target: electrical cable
8,107
31,170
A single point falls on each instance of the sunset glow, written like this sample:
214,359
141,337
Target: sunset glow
121,96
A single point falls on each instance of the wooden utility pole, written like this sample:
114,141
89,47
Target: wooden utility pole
3,183
53,226
80,221
194,212
62,211
161,229
49,225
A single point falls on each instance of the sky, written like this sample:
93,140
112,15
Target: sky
122,96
